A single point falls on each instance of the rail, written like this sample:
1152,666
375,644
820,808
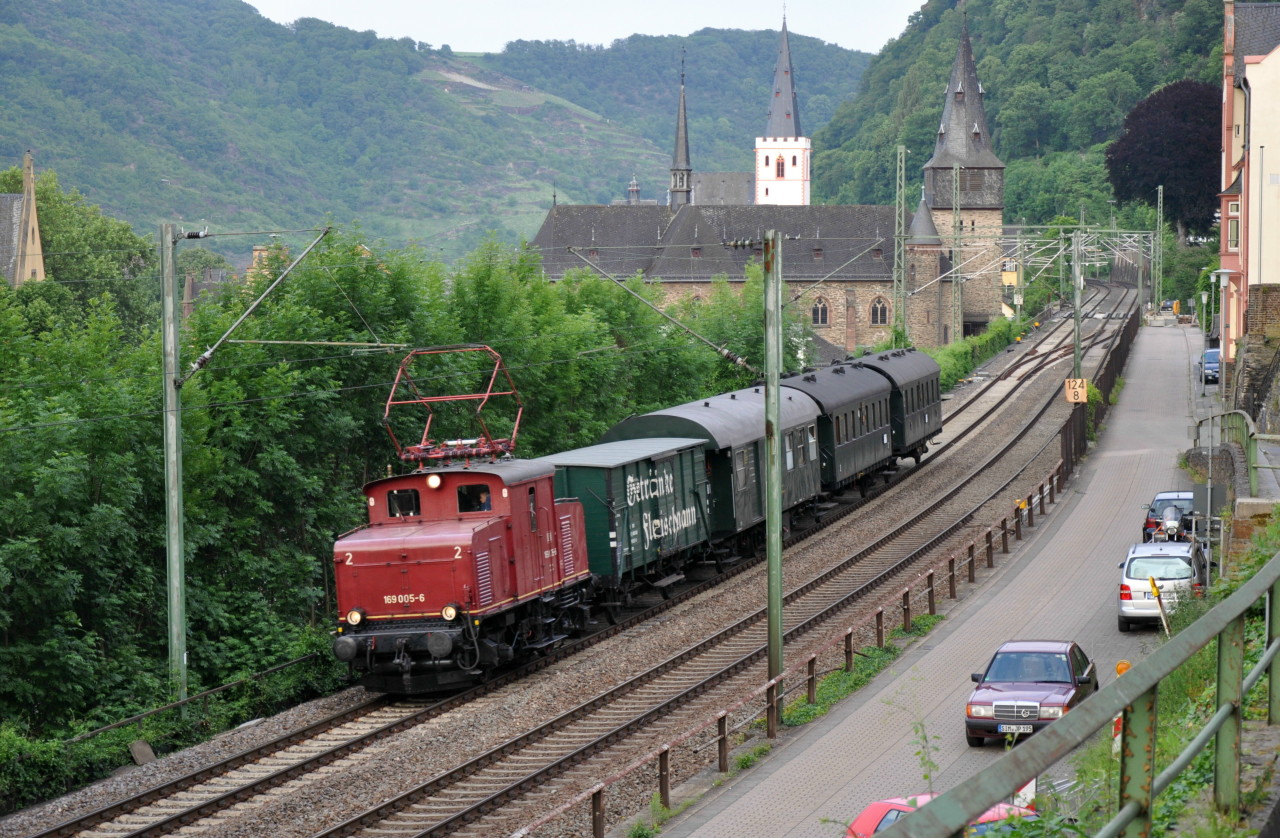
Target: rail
984,544
1134,695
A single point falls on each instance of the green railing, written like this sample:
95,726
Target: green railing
1133,695
1236,426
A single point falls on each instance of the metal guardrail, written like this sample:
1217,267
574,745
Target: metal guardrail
1134,695
1238,427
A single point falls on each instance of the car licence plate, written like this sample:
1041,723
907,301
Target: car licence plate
1014,728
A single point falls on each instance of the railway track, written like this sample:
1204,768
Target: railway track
266,769
467,796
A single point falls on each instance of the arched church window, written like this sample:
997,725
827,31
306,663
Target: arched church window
766,161
820,312
793,160
781,167
879,312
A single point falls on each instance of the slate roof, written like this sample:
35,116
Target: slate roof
784,109
963,137
923,231
623,237
1257,28
10,222
688,246
680,159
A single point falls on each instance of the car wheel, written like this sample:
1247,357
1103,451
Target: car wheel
975,741
1122,624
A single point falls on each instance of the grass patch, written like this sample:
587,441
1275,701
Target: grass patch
839,685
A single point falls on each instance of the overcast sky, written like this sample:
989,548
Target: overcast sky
487,25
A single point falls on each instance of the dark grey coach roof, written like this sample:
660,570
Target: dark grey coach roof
902,366
726,421
840,385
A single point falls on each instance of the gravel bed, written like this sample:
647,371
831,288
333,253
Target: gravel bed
304,807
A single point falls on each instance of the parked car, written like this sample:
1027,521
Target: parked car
882,814
1156,513
1180,570
1027,685
1207,366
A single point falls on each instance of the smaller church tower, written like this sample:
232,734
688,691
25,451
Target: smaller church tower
681,170
964,183
783,153
21,256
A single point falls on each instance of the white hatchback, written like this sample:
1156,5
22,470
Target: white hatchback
1179,569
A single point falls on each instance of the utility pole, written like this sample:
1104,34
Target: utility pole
900,250
773,460
1157,270
175,562
1077,280
957,225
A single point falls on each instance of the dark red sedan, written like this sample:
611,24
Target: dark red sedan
882,814
1027,685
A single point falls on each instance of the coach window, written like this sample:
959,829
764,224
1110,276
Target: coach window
741,468
786,444
813,443
533,510
402,502
474,497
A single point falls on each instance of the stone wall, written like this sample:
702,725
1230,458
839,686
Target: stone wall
1253,386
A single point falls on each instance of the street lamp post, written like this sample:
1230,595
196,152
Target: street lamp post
1207,326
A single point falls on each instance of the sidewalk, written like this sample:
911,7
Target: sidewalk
1060,584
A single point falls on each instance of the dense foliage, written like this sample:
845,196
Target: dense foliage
1173,139
1059,77
278,438
728,79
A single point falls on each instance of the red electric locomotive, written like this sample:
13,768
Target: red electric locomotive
466,563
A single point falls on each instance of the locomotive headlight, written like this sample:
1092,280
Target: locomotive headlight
433,481
355,616
449,612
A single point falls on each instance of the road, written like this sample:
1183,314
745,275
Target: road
1061,585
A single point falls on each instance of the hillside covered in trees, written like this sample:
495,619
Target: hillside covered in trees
208,113
1059,77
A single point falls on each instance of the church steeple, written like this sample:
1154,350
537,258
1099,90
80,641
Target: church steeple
963,140
784,111
681,170
783,154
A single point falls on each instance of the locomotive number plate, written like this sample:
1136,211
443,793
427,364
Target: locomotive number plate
403,599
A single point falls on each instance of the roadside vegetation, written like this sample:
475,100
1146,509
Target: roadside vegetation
1185,702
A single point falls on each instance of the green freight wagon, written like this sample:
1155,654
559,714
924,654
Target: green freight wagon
645,509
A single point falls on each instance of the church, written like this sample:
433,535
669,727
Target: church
838,262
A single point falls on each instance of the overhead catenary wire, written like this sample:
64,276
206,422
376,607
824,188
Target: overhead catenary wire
722,351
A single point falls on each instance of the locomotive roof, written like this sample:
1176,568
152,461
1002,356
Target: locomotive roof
614,454
839,385
725,421
903,366
508,471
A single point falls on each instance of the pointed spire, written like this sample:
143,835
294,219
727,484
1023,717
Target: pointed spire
680,166
784,110
923,231
963,137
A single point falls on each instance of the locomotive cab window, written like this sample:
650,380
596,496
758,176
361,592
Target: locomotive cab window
474,497
403,502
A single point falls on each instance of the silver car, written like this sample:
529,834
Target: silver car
1179,569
